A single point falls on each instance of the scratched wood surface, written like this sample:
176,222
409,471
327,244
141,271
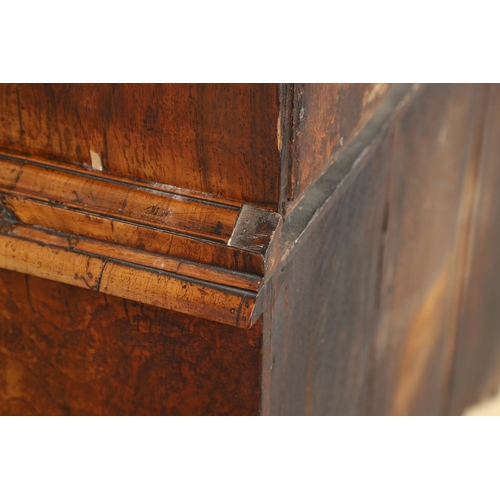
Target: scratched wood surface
118,199
323,119
431,154
136,216
188,254
321,305
476,372
379,289
54,256
72,351
213,138
174,245
363,318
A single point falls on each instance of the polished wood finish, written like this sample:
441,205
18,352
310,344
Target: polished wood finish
278,249
74,351
476,370
116,199
213,138
116,237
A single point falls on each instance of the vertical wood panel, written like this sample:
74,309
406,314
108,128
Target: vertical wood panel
363,317
70,351
324,119
321,311
432,154
216,138
477,369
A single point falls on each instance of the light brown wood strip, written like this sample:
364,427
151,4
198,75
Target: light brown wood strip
105,250
154,287
122,201
133,235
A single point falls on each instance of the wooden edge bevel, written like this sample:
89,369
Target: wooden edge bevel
319,198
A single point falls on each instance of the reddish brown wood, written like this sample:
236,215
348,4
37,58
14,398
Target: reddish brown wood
117,199
214,138
72,351
114,237
323,119
53,256
377,281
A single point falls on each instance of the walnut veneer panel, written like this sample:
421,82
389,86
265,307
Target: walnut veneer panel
214,138
72,351
373,291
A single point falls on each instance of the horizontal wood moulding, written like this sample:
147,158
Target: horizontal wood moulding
213,138
202,250
262,144
193,255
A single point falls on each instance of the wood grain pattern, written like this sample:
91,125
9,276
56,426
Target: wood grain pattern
321,308
109,232
323,119
138,216
361,318
73,351
431,154
57,222
377,275
476,373
52,256
118,199
213,138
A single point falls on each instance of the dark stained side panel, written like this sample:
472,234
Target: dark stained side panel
363,319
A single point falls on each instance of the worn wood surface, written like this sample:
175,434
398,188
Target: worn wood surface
378,285
213,138
172,245
476,373
191,255
431,154
72,351
133,214
116,199
51,256
322,120
321,308
362,318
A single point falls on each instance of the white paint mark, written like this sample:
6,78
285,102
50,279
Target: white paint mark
95,161
341,142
